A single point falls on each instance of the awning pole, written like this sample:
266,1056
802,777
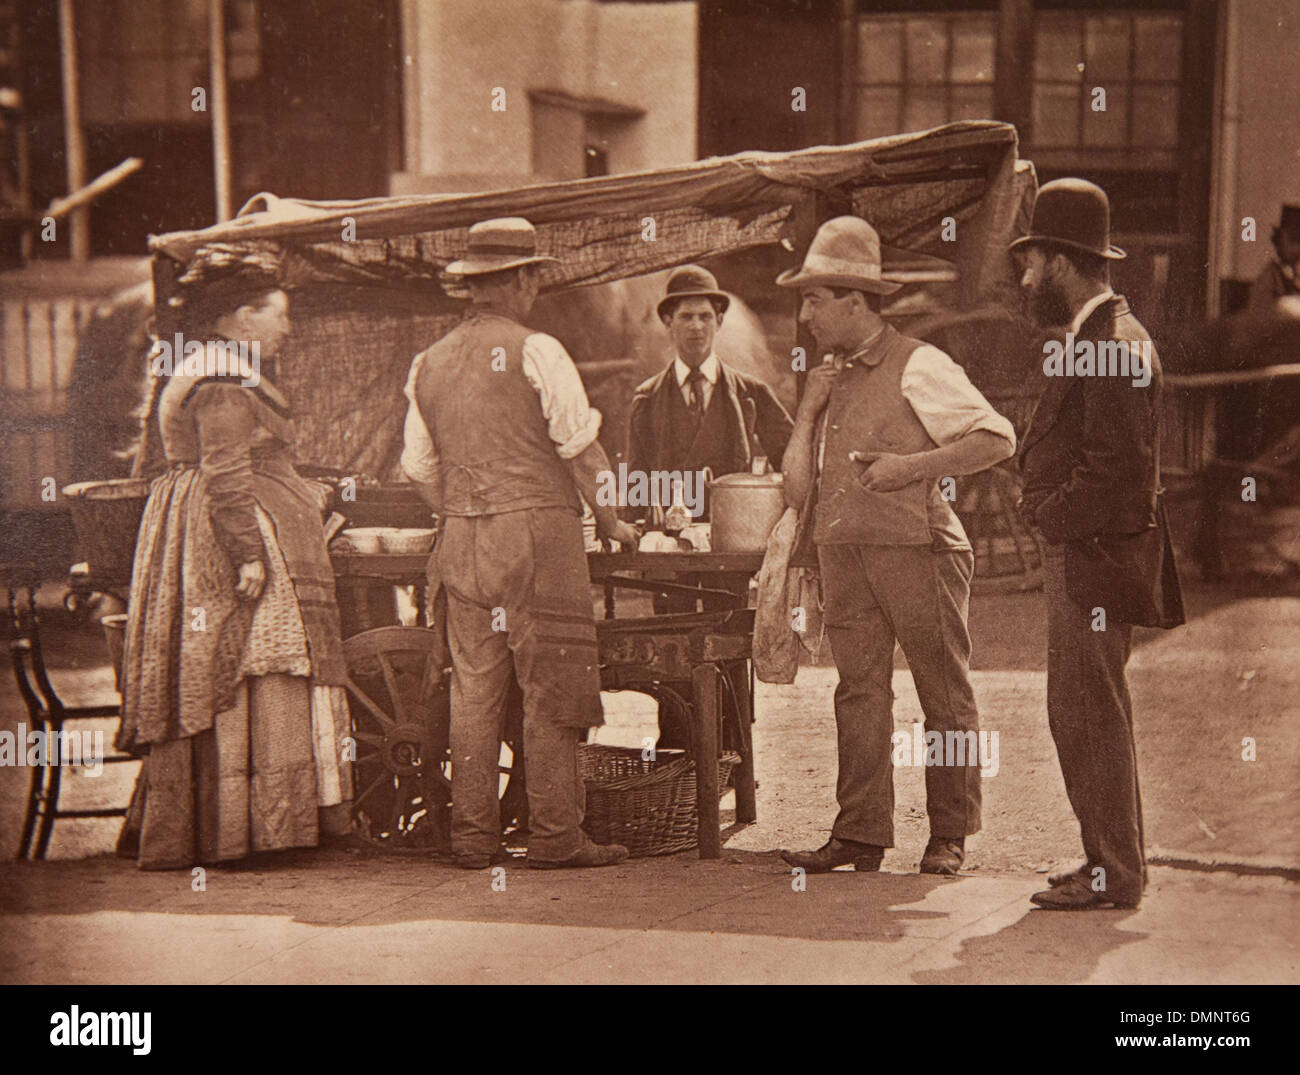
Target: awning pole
220,108
73,139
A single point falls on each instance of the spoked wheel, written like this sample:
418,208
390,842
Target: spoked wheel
399,693
398,689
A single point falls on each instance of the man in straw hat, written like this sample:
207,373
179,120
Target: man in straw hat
882,423
502,442
697,412
1091,467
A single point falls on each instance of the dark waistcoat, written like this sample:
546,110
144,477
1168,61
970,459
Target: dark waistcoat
709,441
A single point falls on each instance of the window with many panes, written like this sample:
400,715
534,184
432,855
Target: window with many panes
1135,58
142,59
919,71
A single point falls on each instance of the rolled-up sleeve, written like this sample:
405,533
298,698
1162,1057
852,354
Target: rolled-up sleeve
571,421
419,460
946,402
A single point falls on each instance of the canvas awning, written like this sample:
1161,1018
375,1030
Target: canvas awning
362,308
601,228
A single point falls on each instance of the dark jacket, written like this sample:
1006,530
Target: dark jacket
747,405
1091,481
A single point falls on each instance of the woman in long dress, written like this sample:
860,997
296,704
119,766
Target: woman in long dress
233,664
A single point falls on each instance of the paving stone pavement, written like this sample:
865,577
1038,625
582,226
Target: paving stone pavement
347,917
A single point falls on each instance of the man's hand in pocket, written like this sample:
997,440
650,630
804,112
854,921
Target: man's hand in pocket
884,471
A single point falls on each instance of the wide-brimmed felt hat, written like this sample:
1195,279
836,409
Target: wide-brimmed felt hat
496,245
692,282
845,252
1073,214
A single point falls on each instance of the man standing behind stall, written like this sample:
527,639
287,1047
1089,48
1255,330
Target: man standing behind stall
880,424
1091,466
698,412
502,442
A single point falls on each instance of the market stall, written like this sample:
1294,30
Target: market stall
365,281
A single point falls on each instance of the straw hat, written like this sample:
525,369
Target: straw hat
1074,214
495,245
845,252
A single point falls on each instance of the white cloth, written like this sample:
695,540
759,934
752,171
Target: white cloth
946,402
572,422
786,596
711,368
1085,311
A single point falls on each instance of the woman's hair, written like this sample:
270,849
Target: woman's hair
220,278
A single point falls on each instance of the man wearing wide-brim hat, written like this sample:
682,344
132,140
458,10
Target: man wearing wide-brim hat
1091,482
501,442
698,412
886,428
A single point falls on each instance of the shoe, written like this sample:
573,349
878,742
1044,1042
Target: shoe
590,855
866,858
1056,880
1076,894
944,855
480,860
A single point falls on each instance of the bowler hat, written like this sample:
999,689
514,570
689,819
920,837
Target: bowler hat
692,282
1074,214
1289,224
845,252
495,245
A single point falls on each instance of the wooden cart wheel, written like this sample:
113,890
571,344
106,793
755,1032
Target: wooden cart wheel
398,692
399,695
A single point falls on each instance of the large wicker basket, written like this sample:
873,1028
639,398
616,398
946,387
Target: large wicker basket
648,806
106,516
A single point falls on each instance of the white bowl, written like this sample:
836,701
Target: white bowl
406,541
367,539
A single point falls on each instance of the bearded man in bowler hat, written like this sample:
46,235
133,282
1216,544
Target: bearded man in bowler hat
881,422
1091,468
1281,276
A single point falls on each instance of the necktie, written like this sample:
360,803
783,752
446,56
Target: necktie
695,392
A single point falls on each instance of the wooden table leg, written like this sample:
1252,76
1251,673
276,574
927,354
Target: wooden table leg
746,803
704,683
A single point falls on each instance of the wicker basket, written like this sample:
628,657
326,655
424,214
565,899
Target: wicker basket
106,516
647,806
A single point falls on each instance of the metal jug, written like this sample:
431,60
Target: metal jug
743,509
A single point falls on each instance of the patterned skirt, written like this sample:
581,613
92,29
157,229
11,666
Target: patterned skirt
235,770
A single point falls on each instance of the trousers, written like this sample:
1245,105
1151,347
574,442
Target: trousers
876,595
1091,717
506,578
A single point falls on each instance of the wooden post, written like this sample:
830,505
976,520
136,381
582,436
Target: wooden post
704,681
220,108
847,114
73,138
1013,87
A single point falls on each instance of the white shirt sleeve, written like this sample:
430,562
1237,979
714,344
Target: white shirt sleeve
571,421
419,459
946,402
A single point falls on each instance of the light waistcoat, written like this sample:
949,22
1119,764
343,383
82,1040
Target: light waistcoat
867,412
494,450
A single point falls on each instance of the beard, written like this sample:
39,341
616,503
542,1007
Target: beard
1048,305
